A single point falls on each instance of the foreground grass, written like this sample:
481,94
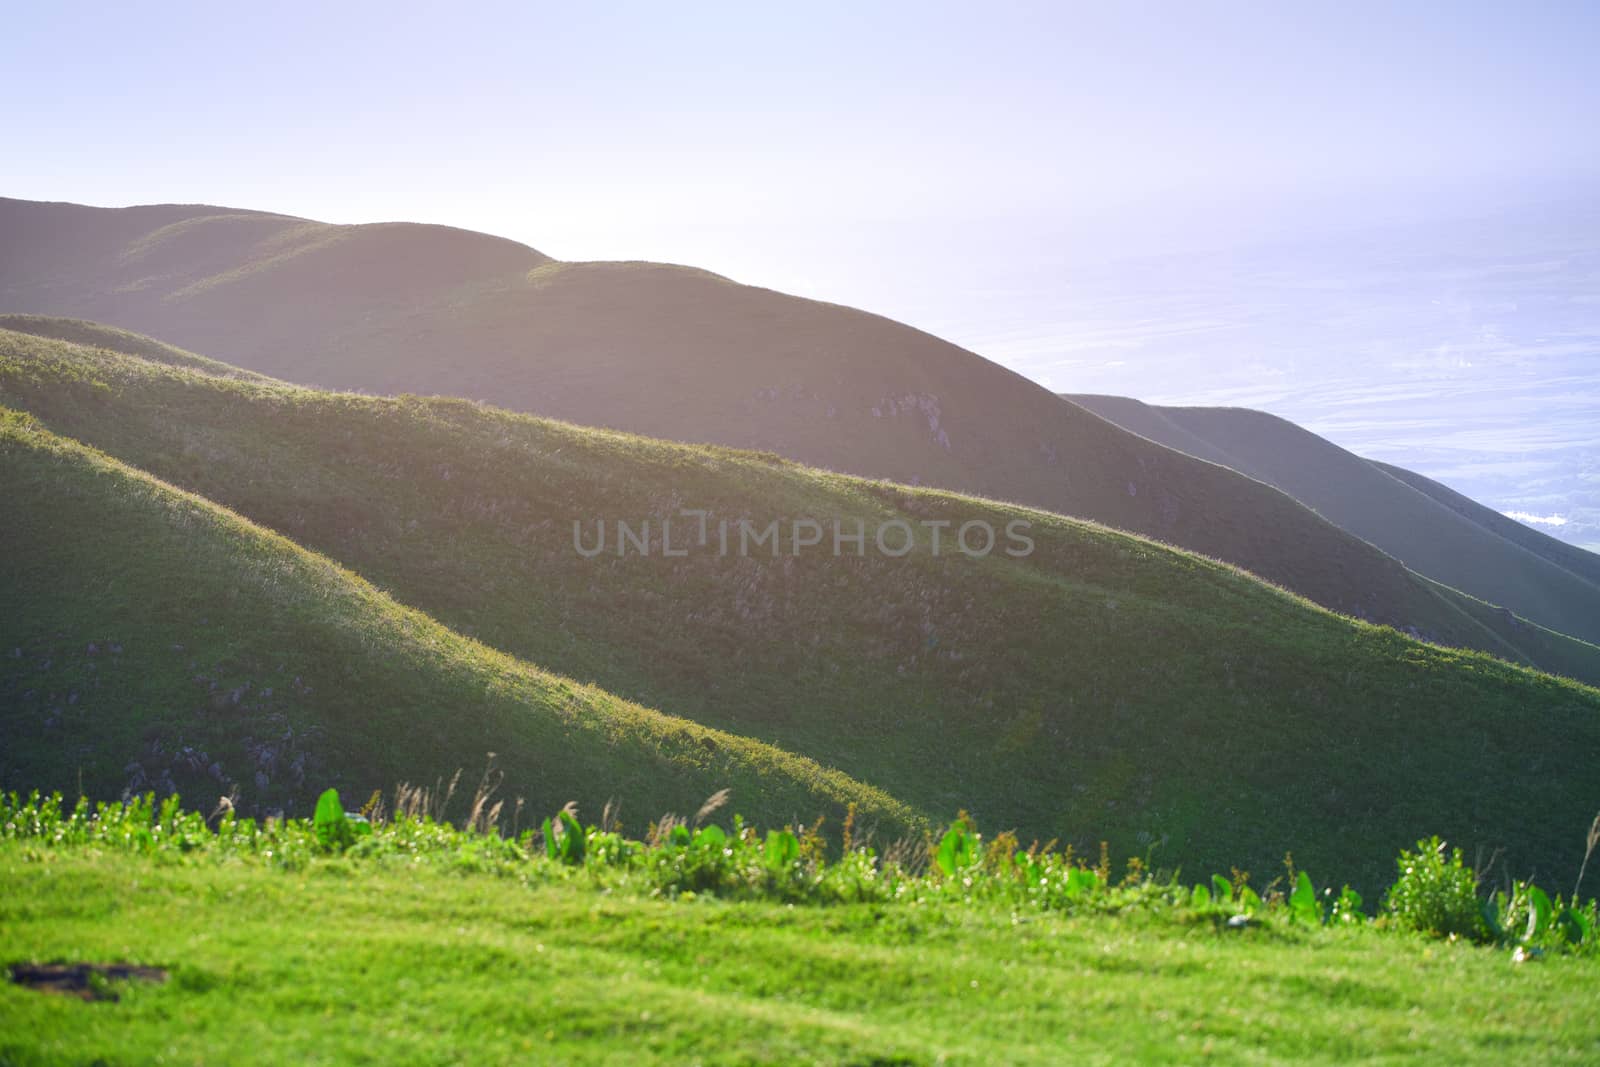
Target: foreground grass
413,941
389,963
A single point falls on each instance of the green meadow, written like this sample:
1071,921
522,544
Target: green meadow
412,941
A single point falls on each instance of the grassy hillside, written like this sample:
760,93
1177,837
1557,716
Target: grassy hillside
423,945
666,351
1103,687
153,640
1454,543
96,335
1520,641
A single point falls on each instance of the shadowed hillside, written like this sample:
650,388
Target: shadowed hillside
1102,687
152,640
665,351
1585,565
1423,524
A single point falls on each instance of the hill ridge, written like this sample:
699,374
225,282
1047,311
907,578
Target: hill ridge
1395,510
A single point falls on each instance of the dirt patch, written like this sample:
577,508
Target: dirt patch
87,981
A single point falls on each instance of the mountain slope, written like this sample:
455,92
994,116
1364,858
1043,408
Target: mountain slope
1408,517
96,335
154,640
665,351
1101,687
1585,565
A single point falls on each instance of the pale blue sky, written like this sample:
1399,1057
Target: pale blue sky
972,169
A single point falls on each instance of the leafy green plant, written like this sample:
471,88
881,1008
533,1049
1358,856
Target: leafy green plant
1575,925
1221,889
608,848
782,851
564,839
1527,917
1539,914
1346,908
1249,901
958,849
1437,894
1303,904
335,830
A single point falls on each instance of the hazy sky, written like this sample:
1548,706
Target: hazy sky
957,166
763,140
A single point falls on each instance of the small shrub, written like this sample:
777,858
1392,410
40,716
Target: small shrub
1437,894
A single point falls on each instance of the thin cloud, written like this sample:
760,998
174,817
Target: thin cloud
1540,520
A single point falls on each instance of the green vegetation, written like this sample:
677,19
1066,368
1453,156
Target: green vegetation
1437,894
417,941
1104,687
152,639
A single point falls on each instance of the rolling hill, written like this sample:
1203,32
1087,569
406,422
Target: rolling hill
1102,687
665,351
153,640
1425,525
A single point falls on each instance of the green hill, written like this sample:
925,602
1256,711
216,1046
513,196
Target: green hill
665,351
1103,686
152,640
1424,525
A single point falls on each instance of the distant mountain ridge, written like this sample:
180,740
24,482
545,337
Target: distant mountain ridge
1578,561
1427,526
668,352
